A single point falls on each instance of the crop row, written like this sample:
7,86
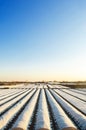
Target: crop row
41,107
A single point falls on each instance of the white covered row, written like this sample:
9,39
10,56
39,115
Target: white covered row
7,92
24,119
42,117
57,86
82,97
79,91
30,86
82,89
12,96
75,101
78,118
10,103
59,115
10,114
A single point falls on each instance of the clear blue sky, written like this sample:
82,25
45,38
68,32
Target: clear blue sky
42,40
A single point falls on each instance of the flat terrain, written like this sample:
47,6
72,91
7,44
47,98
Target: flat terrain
42,107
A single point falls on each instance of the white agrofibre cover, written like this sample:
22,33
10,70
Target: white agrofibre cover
42,118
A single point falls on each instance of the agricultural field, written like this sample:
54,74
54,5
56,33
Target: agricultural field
42,106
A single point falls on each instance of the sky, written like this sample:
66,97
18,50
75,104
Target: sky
42,40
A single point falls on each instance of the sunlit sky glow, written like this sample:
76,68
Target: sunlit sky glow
42,40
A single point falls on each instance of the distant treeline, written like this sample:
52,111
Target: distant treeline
18,82
78,84
13,83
